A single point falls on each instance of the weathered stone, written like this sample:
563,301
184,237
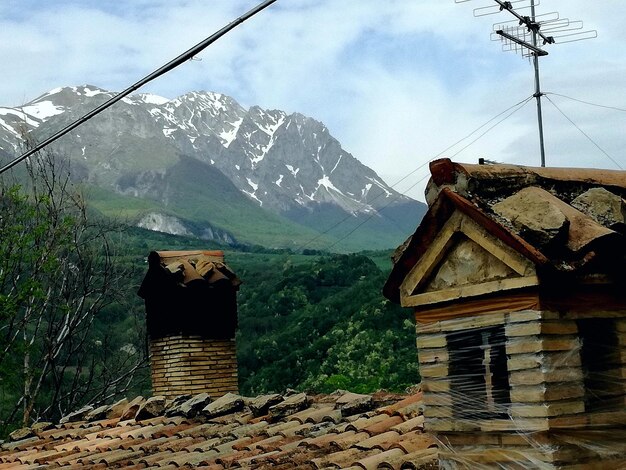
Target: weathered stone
172,405
534,216
153,407
191,406
224,405
117,408
467,263
353,403
78,415
131,409
22,433
603,206
289,406
261,405
98,413
41,426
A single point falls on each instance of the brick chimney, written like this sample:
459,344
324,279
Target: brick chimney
191,315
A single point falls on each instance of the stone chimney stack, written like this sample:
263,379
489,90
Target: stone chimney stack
191,315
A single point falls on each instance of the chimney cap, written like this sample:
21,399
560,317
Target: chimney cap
190,293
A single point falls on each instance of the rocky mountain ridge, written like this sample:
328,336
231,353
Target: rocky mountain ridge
286,164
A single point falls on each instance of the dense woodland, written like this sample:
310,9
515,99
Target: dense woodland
73,331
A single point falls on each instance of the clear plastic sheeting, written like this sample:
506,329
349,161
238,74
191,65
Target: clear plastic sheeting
526,390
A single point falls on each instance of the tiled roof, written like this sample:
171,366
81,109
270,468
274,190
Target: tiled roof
564,220
342,430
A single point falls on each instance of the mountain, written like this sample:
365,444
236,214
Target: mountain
203,165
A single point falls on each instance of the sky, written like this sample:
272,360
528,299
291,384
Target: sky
398,83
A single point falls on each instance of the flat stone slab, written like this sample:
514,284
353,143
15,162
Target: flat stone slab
22,433
289,406
603,206
261,405
224,405
191,407
153,407
117,408
354,403
78,415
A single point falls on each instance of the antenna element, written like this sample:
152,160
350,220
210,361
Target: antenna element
524,34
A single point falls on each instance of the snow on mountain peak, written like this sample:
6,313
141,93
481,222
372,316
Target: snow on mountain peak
228,136
92,91
153,99
252,147
19,116
293,171
43,109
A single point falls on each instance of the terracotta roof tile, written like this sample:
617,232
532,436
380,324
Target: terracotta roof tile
348,439
381,441
113,456
204,445
383,425
372,462
257,459
410,425
315,437
403,404
182,458
153,459
363,423
317,415
415,441
415,460
266,443
281,428
344,458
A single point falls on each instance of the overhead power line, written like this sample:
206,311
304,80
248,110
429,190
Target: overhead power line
615,108
517,107
184,57
510,110
585,134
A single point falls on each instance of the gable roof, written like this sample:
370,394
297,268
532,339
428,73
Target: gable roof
562,220
343,430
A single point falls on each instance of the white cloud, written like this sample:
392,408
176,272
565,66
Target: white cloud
396,83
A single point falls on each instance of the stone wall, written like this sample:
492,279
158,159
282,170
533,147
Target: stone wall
190,365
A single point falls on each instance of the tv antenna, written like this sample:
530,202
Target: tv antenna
525,33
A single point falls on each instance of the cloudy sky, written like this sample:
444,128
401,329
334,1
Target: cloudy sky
397,82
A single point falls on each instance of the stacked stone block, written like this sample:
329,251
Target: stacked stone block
548,422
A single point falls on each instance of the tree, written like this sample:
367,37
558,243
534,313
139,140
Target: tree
56,275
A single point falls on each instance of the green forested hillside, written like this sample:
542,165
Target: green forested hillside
320,323
313,321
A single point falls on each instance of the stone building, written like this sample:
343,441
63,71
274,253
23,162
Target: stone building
516,277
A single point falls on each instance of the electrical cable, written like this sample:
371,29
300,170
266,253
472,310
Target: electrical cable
516,107
184,57
615,108
585,134
459,141
520,105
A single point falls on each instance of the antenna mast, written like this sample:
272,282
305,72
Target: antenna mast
515,35
537,95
